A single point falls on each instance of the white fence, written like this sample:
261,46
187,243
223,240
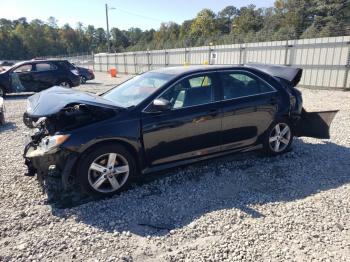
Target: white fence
83,60
326,61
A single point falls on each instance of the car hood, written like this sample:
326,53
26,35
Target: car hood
52,100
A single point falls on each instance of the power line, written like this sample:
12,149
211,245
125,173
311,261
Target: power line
135,14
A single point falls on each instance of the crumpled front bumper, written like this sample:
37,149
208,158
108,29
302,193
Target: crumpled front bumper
39,163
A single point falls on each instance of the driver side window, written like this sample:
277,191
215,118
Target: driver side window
191,91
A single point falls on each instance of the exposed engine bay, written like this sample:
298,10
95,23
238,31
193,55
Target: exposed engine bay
68,118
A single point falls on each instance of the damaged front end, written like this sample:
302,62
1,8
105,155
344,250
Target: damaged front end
44,156
45,152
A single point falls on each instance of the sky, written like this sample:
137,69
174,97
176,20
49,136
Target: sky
145,14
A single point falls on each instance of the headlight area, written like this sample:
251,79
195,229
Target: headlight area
49,145
48,158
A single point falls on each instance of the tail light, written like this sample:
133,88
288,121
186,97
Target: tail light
90,71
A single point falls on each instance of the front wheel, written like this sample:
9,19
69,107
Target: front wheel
64,83
106,170
2,92
83,80
278,138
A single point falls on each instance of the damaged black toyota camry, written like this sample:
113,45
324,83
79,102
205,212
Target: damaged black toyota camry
165,118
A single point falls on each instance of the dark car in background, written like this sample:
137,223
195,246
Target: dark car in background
38,75
166,118
85,74
6,63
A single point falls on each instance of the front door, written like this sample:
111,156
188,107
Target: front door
192,126
249,107
22,79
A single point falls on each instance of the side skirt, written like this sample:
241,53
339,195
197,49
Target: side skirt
170,165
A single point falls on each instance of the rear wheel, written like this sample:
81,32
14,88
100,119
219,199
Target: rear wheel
278,138
106,170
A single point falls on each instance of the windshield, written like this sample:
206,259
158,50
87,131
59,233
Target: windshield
7,68
137,89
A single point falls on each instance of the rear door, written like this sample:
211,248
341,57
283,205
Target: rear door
44,75
249,106
192,127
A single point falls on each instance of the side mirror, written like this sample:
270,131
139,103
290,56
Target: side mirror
161,104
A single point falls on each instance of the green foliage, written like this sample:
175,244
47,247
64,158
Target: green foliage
287,19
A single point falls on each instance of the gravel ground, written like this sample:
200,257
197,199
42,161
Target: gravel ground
247,207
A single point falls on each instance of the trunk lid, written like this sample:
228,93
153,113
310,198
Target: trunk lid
315,124
291,75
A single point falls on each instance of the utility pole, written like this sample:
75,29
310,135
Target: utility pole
108,43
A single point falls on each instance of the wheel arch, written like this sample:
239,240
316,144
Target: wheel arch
279,117
128,146
62,79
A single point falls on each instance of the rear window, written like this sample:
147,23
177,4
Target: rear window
66,65
40,67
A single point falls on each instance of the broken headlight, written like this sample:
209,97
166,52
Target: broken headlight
50,143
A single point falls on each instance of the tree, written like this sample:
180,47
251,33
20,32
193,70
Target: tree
248,20
225,17
119,40
204,24
52,22
287,19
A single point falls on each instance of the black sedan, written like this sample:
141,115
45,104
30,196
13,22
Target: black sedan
85,74
37,75
166,118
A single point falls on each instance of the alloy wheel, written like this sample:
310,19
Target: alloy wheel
108,173
280,137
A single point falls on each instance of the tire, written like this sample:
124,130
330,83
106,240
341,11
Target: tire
278,138
2,92
98,179
83,80
2,118
64,83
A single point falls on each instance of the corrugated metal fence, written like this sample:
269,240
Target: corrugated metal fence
326,61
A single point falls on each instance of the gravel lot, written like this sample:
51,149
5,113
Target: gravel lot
244,207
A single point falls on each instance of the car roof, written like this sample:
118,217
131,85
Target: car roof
178,70
35,61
